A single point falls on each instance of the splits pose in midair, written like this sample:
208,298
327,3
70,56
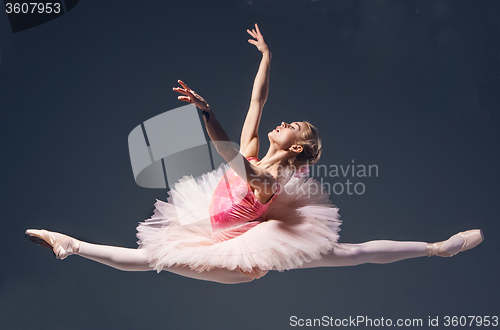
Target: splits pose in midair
249,216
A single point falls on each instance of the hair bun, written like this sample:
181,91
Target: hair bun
311,143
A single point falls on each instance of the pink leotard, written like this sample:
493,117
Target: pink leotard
231,215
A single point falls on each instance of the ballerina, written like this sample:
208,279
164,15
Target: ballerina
250,215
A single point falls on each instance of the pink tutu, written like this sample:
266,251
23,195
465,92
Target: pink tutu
300,224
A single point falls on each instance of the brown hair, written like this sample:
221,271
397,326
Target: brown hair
311,147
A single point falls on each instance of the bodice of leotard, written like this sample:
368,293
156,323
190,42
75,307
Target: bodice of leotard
234,208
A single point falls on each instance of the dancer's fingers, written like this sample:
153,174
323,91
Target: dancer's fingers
251,33
181,90
185,98
257,27
183,84
188,92
178,89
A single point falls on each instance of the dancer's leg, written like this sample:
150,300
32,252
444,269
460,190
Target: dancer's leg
124,258
378,252
135,260
117,257
383,251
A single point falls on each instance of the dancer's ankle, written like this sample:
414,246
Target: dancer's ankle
76,246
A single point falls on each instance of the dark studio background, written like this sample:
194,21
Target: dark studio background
411,86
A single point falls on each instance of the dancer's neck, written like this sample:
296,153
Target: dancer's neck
275,161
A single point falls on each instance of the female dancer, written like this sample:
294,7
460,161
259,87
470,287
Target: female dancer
250,216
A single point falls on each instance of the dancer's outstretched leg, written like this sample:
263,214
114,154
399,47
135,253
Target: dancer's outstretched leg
135,260
379,252
117,257
124,258
385,251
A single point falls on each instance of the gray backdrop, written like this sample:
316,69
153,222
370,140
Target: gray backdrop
411,86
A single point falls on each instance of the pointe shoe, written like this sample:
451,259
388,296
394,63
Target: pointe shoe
472,238
61,245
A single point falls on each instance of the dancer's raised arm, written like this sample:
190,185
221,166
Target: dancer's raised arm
249,141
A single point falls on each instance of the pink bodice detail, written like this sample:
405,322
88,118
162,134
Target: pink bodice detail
234,209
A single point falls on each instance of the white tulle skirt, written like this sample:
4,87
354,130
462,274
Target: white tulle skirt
300,224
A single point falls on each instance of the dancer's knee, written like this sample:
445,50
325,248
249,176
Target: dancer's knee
349,255
353,251
342,255
358,254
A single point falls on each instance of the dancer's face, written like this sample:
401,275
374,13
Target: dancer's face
285,135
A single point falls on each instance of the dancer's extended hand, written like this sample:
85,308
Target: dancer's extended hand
260,43
191,96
